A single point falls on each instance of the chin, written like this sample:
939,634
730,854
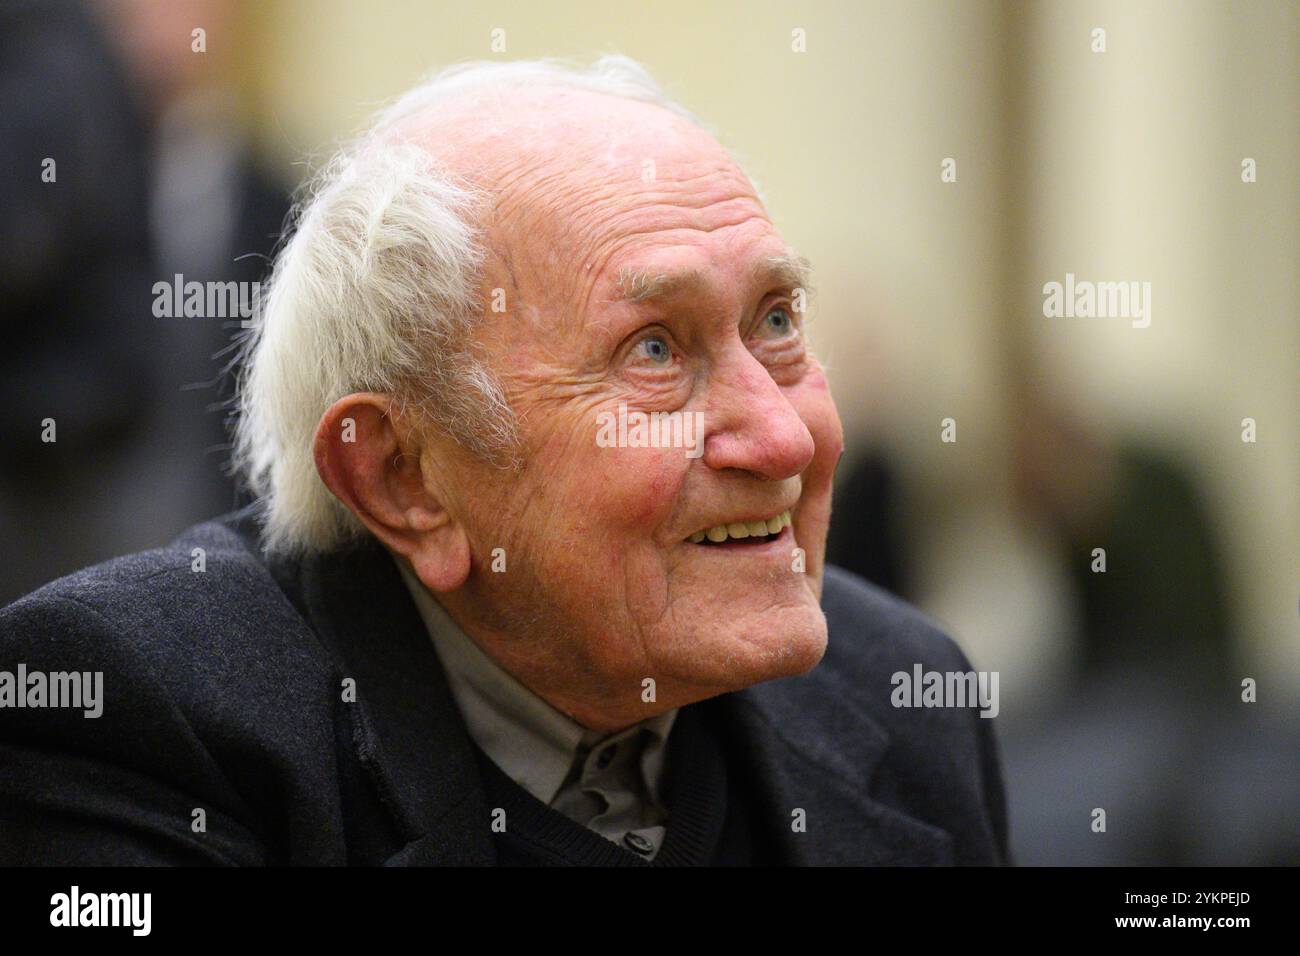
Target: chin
753,652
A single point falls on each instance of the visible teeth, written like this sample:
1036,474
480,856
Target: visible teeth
743,529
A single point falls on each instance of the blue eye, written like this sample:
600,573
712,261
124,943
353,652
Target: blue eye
778,323
656,349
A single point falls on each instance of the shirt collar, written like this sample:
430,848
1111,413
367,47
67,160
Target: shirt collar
532,742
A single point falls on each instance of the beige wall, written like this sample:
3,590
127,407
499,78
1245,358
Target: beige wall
1137,173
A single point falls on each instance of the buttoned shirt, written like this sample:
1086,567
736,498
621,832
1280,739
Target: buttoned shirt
609,783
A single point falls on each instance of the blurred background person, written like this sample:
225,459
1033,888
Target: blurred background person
150,175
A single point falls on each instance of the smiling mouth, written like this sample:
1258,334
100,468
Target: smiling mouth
751,532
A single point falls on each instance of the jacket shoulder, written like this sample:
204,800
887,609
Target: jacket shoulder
208,596
209,681
874,632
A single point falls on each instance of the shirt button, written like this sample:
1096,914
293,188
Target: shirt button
606,757
638,844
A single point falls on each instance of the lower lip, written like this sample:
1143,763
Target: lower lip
773,543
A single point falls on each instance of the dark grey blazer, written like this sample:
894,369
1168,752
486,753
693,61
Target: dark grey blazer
223,692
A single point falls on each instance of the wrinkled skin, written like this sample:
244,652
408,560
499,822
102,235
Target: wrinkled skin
602,589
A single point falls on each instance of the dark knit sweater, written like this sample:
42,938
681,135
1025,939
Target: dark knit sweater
707,819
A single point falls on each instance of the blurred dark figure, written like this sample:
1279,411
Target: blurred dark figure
864,536
76,273
1153,729
1161,601
150,178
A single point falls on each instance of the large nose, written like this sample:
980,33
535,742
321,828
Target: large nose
751,425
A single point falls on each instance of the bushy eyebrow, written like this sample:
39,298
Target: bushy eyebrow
787,271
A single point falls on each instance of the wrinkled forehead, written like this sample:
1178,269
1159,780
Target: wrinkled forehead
611,236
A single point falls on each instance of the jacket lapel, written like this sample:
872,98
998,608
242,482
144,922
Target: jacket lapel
809,746
406,728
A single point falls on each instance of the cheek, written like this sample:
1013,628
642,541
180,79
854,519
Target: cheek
608,499
607,560
636,489
812,400
817,409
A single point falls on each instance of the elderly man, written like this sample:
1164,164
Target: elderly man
537,573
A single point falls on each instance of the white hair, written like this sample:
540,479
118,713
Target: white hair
377,290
